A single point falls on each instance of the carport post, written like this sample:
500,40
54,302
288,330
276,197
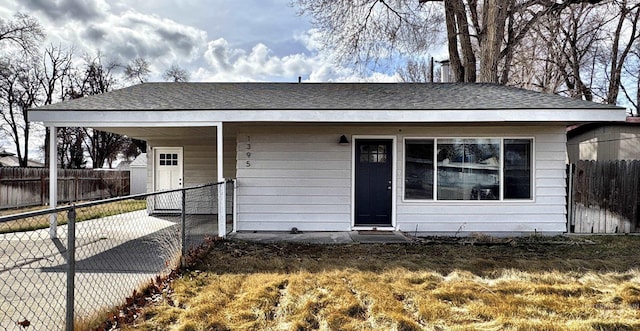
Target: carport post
53,180
222,187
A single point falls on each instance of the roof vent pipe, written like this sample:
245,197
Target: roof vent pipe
299,79
445,71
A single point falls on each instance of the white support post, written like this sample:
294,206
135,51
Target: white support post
222,188
53,180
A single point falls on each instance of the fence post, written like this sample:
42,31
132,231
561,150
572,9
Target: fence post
183,229
71,268
570,197
42,189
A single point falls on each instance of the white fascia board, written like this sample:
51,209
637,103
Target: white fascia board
163,118
119,118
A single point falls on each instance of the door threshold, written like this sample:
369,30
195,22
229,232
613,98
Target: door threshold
373,228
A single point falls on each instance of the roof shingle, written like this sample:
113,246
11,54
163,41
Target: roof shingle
274,96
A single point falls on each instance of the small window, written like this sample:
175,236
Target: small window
517,168
373,153
168,159
419,167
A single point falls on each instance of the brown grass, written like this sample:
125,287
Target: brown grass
566,284
82,214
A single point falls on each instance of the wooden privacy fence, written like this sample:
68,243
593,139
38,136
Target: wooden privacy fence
604,197
21,187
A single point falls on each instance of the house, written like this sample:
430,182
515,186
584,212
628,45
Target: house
8,159
445,158
605,141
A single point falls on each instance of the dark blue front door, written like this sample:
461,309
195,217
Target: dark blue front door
373,183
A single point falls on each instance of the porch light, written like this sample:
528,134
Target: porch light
343,140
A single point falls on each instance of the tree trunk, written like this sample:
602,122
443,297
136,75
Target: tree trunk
637,113
617,57
491,37
455,64
469,57
47,157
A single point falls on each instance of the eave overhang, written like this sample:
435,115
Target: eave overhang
165,118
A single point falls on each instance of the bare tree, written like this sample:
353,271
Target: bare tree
19,39
632,70
19,88
559,53
104,147
71,148
23,32
417,71
56,67
95,77
366,32
481,36
137,70
175,74
627,21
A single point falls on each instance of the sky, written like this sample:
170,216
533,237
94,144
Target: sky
214,40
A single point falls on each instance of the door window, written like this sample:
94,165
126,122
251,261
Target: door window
168,159
373,153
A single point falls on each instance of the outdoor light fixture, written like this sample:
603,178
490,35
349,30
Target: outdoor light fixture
343,140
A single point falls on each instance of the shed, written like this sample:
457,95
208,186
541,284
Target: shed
138,174
605,141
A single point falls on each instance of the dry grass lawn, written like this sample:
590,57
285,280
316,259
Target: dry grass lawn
83,214
524,284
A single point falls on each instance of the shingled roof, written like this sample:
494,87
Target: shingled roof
282,96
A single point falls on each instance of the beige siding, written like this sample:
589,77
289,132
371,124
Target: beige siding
546,213
299,176
199,153
292,177
199,162
611,142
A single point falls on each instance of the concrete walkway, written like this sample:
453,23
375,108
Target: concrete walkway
114,256
349,237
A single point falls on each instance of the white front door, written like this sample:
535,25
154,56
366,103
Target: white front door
168,176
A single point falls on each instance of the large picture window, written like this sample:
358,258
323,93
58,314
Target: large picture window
468,169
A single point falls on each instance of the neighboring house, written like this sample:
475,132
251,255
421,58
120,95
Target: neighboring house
605,141
8,159
429,158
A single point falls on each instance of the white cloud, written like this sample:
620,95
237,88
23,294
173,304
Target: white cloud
133,34
261,64
252,51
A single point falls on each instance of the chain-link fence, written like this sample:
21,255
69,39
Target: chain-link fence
96,254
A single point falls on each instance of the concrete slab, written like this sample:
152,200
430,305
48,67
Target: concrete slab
376,237
301,237
347,237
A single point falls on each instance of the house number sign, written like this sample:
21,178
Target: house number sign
248,162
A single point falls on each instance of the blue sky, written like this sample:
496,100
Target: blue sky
215,40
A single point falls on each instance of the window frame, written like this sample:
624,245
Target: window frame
501,199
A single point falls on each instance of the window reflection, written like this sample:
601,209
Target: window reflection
468,169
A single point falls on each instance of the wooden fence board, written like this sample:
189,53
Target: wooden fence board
22,187
605,197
